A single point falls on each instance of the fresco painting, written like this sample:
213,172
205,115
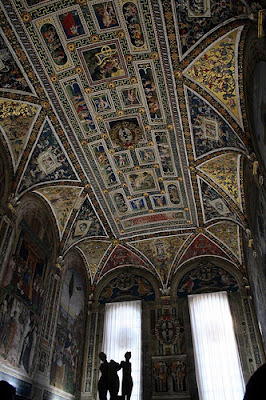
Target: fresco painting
87,224
142,181
18,334
25,273
125,132
227,233
130,97
101,103
169,375
146,155
159,201
210,131
150,92
48,161
120,202
17,119
127,285
105,13
210,14
71,24
104,63
77,99
123,159
54,44
11,76
206,275
161,252
138,204
165,154
173,190
162,217
62,200
224,171
219,77
106,168
134,25
68,343
94,252
202,246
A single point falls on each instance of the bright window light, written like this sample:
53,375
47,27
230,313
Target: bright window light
122,333
217,363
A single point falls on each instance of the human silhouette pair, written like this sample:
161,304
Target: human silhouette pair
109,379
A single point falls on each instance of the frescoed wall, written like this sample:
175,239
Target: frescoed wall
68,342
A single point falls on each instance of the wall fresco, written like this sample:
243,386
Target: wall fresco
68,342
224,171
11,76
191,28
219,76
127,285
120,202
17,119
102,103
228,234
25,273
18,334
48,161
129,96
209,130
62,200
169,375
76,97
204,277
146,155
87,224
123,159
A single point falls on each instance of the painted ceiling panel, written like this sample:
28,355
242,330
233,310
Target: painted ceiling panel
131,123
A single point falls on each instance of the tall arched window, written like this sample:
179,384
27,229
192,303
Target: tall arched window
122,333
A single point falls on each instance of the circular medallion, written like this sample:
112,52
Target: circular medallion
167,329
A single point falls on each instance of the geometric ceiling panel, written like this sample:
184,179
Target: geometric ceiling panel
214,205
48,161
161,252
16,121
196,19
62,200
228,234
224,171
94,252
202,246
86,225
216,71
11,75
210,131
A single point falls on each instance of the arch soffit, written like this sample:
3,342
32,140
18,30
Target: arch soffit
117,271
221,263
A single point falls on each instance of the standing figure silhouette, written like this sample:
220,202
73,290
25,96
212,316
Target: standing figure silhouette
127,382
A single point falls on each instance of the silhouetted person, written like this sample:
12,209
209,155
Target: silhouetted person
103,381
7,391
127,383
256,386
113,379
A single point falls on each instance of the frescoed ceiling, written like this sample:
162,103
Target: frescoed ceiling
128,119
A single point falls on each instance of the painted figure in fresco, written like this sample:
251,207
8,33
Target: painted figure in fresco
127,382
71,24
54,44
105,14
130,12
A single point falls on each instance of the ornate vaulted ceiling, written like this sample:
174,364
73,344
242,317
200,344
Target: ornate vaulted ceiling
127,118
